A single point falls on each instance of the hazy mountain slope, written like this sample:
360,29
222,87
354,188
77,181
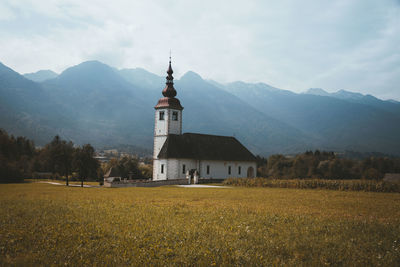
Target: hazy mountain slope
24,107
208,109
387,105
341,124
114,110
107,108
94,103
41,75
143,78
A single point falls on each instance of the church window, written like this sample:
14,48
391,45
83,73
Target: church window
161,115
239,170
183,168
175,116
229,169
162,168
208,169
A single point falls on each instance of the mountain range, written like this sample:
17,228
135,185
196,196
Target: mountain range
95,103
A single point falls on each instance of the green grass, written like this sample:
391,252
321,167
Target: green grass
42,224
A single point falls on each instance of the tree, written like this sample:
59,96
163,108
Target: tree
146,170
279,165
60,154
126,165
372,174
85,163
15,157
65,158
129,165
300,167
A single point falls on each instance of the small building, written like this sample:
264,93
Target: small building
113,175
192,155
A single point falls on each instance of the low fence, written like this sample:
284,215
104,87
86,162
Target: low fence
150,183
145,183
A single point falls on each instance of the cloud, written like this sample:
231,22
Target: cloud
343,44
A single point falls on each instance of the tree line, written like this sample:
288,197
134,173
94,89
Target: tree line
20,159
325,165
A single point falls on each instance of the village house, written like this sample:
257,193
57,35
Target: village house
193,156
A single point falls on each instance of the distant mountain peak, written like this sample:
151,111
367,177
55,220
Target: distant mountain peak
347,95
341,94
191,76
41,75
91,62
317,91
393,101
92,67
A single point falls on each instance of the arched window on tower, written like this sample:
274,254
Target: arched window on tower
175,116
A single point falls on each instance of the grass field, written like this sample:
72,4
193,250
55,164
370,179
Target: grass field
43,224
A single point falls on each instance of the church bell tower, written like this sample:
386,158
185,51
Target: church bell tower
168,120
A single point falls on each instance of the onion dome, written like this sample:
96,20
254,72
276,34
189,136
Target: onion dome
169,90
169,93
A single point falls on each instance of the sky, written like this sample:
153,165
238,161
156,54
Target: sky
295,45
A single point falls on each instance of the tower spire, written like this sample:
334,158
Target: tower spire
169,90
169,100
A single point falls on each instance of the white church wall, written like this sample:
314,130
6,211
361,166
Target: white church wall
189,165
220,169
173,169
161,126
158,144
159,172
175,126
168,125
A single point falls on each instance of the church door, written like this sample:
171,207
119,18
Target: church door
250,172
191,173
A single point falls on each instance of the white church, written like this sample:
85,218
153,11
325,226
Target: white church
193,156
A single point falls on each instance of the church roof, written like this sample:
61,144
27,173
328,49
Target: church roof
204,147
112,172
169,102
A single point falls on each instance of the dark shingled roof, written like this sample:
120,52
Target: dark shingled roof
204,147
112,172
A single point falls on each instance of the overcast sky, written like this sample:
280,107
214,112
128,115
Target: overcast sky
339,44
